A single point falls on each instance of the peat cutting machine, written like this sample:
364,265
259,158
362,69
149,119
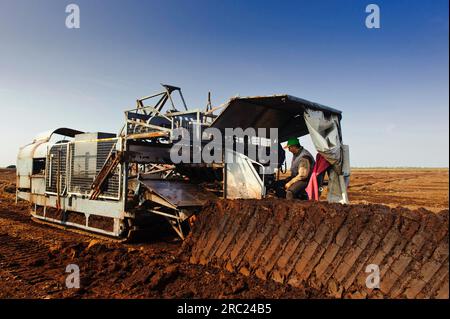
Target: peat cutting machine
122,185
119,185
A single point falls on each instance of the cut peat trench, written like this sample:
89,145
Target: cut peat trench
327,246
294,246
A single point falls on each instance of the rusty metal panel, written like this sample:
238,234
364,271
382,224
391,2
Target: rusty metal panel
179,193
25,166
38,185
24,195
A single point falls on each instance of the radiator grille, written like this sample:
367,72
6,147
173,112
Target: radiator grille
86,164
56,163
112,186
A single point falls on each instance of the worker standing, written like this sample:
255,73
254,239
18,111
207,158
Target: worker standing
301,169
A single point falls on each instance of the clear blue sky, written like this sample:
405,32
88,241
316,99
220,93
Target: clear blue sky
390,83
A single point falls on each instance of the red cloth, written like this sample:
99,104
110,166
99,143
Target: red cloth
313,188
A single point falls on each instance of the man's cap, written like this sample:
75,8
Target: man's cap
292,141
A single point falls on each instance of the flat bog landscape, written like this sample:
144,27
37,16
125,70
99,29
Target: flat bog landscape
232,157
409,187
34,257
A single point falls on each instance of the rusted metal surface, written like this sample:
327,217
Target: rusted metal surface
146,135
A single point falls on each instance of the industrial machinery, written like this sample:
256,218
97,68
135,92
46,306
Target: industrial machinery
174,166
121,184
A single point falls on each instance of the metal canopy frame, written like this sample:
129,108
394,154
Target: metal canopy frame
284,112
151,118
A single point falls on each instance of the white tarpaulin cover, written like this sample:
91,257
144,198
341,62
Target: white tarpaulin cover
324,132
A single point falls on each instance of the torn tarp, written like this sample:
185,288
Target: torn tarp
325,134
